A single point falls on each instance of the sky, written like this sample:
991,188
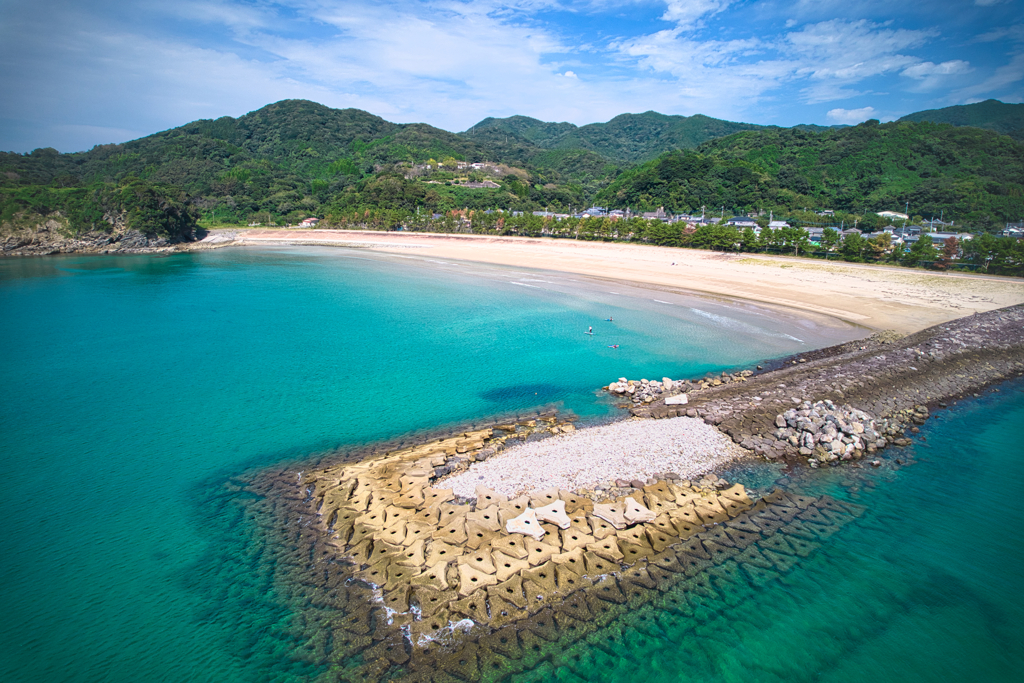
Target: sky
76,74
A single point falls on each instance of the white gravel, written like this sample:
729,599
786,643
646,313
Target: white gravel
596,457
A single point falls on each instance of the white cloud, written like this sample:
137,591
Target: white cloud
1011,74
851,116
687,14
453,62
930,75
923,70
1013,34
828,57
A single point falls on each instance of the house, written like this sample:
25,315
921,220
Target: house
939,238
775,225
487,184
742,222
826,212
907,231
659,215
309,223
850,231
1013,230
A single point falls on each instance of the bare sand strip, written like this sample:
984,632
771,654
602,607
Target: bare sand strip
874,296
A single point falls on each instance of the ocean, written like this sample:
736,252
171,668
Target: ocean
138,388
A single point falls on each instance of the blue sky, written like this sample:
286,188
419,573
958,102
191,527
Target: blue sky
76,74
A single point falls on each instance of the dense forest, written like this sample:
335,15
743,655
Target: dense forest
628,138
295,159
972,176
1007,119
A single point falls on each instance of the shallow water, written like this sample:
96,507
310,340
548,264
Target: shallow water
135,387
925,586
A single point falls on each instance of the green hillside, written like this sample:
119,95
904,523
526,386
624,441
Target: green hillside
971,175
295,158
627,138
1007,119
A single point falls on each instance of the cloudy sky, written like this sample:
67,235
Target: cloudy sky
77,73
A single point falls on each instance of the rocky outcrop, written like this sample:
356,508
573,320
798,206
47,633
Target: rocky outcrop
51,237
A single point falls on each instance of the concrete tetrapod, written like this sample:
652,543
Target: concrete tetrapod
526,524
554,513
635,513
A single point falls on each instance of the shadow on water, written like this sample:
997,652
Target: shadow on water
518,393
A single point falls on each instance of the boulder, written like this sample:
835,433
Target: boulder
679,400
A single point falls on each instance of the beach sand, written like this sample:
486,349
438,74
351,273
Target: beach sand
878,297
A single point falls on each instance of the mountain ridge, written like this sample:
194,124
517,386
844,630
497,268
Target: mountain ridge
296,158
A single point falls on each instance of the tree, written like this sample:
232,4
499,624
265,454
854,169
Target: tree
880,244
922,250
795,239
748,240
950,250
829,239
853,247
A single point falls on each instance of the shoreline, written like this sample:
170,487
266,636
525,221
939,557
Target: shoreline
870,295
877,297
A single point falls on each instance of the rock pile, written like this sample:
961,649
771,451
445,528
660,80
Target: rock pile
643,391
826,432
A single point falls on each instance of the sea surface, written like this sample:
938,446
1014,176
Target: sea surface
134,388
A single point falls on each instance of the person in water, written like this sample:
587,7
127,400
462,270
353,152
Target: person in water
590,330
614,346
609,319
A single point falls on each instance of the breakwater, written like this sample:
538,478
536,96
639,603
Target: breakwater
401,580
893,382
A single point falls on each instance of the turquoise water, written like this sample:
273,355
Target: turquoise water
135,387
925,586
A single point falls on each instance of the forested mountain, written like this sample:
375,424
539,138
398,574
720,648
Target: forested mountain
1007,119
974,176
291,159
627,138
295,158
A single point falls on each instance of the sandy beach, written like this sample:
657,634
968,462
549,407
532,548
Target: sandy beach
877,297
